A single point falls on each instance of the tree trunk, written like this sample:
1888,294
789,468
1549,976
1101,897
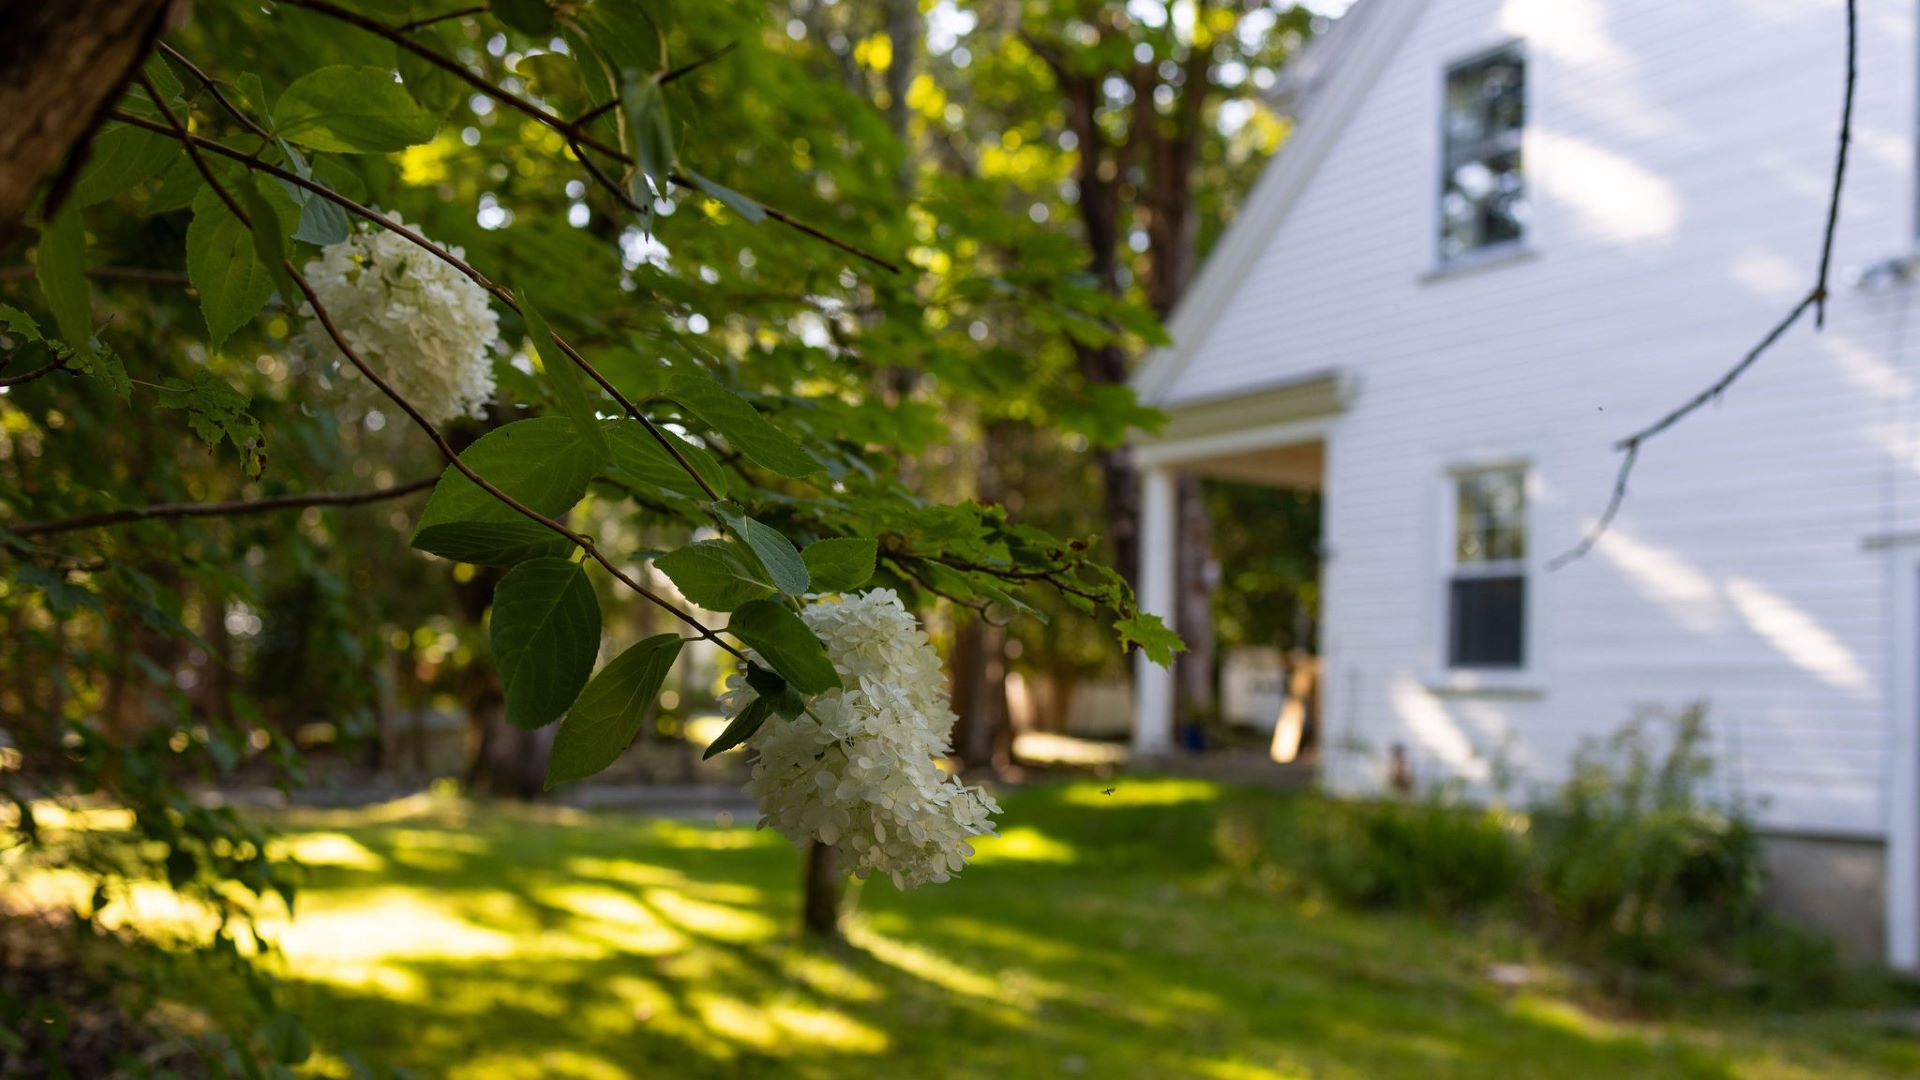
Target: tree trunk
61,65
822,883
980,693
820,904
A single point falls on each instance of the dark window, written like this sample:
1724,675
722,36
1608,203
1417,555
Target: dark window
1488,622
1487,596
1483,198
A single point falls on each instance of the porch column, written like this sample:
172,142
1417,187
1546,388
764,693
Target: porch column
1153,684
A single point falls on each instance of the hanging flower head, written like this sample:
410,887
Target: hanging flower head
426,328
860,770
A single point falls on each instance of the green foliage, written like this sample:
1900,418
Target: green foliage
785,643
1641,867
62,270
717,575
546,634
1630,865
776,554
544,463
224,258
839,564
351,109
609,712
216,412
1431,854
122,156
736,421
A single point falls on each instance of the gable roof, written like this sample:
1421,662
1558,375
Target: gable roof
1323,87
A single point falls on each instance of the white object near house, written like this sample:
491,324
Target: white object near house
1504,234
1253,687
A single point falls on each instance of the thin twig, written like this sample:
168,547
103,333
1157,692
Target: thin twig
567,129
47,368
687,69
214,88
1815,299
407,28
135,274
235,508
505,296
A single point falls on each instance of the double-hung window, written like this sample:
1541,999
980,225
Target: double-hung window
1487,587
1483,195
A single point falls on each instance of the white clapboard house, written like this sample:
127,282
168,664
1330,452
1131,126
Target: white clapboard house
1503,234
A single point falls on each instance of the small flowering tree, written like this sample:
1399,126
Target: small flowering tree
741,379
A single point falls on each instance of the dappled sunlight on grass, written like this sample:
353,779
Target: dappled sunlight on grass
1022,844
1109,936
330,849
1132,791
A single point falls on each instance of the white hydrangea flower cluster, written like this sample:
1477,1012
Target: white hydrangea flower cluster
425,327
860,770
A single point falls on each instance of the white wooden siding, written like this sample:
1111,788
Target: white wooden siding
1677,157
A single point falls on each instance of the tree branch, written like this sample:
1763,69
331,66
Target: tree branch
567,129
325,318
47,368
503,295
1815,298
235,508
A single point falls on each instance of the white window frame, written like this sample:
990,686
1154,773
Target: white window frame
1524,680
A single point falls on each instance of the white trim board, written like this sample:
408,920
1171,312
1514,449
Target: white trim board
1187,451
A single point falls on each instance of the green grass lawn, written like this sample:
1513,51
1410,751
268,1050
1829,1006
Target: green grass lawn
1131,935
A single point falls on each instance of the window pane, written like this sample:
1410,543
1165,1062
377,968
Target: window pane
1482,193
1487,622
1490,516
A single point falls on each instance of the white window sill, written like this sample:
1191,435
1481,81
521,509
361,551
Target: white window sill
1488,258
1487,684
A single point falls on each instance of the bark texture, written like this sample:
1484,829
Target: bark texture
61,64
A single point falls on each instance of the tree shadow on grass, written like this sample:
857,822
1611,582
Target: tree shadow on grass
1094,939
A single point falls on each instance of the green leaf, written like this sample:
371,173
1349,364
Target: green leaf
215,411
224,261
62,596
741,425
609,712
543,462
730,198
1154,638
621,33
841,564
62,269
322,221
775,690
269,233
17,322
715,575
555,77
527,16
568,385
786,644
650,132
121,157
437,90
287,1040
740,728
352,109
179,185
776,553
641,457
546,634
